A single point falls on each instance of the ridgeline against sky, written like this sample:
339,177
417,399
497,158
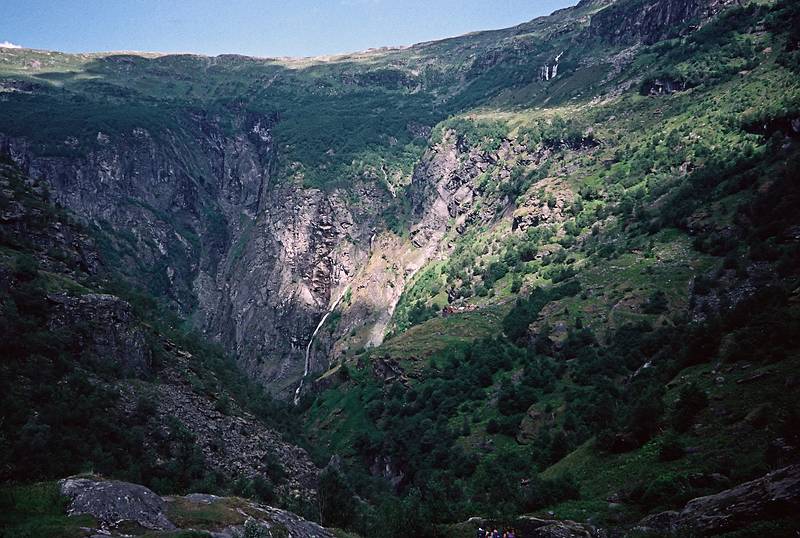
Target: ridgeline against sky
251,27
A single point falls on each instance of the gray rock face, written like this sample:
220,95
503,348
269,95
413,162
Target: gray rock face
112,502
443,190
547,528
299,255
24,223
297,526
196,218
775,495
650,21
112,333
174,199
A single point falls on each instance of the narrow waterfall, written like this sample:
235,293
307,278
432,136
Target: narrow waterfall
311,343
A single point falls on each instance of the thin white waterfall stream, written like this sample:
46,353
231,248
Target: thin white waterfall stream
311,343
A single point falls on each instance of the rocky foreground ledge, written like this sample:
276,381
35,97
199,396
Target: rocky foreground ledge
774,496
124,509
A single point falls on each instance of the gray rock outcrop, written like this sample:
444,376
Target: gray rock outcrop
650,21
535,527
111,502
112,334
774,495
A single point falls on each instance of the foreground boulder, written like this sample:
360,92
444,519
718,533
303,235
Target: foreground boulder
772,496
550,528
123,509
111,502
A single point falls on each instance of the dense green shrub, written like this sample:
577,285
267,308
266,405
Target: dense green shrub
690,402
336,502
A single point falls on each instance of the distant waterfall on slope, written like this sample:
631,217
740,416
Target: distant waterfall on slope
311,343
549,72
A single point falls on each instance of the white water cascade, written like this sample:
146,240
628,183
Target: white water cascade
311,343
549,72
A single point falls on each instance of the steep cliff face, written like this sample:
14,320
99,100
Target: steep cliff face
287,269
648,21
195,218
62,245
770,497
173,198
256,263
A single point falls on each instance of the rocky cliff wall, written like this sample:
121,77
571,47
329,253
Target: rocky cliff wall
195,216
174,199
649,21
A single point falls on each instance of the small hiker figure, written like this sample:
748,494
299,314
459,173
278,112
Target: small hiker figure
481,533
495,533
511,534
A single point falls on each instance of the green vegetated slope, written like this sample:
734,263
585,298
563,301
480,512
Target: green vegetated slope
38,510
636,350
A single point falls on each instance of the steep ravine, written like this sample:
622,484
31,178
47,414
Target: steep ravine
256,263
152,384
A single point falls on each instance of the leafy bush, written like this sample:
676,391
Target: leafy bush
667,491
539,493
671,448
336,503
690,402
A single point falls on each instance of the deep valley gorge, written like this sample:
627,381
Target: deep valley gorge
544,278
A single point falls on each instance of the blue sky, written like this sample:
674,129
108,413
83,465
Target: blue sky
259,28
